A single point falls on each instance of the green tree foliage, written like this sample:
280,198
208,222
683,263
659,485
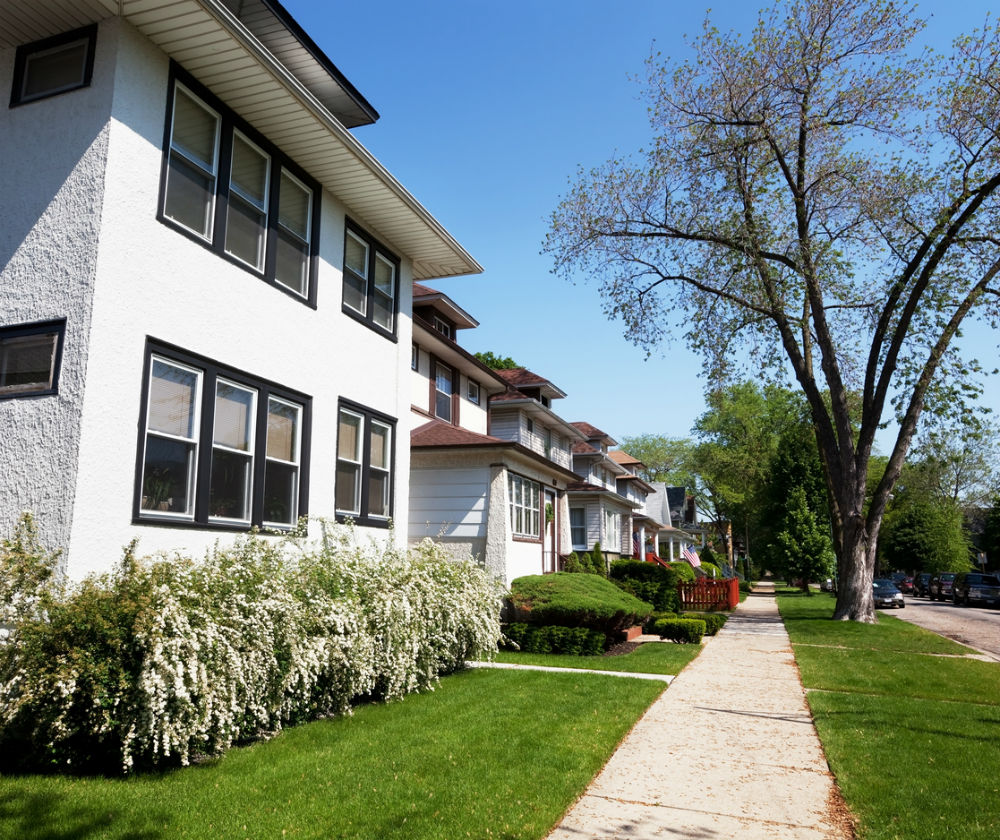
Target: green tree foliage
802,546
665,459
991,535
924,534
820,196
495,362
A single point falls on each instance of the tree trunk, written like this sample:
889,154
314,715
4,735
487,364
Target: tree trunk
855,571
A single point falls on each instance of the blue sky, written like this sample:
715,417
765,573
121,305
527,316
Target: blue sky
487,109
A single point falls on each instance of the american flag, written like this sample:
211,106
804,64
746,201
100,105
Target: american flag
635,545
691,556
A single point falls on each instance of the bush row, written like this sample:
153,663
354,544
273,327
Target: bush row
532,638
683,630
164,659
713,621
648,581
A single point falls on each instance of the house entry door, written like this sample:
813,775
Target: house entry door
550,556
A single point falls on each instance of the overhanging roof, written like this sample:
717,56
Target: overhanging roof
290,104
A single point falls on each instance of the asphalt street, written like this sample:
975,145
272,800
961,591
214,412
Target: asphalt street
977,627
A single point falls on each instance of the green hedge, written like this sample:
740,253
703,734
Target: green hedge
683,630
684,570
649,581
551,638
713,621
573,600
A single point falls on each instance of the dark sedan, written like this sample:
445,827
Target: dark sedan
886,594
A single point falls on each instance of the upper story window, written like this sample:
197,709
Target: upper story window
365,457
442,326
371,281
415,358
472,391
444,388
29,359
54,65
219,447
226,187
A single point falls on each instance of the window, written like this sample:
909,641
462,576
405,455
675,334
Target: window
442,326
472,392
364,465
578,527
29,359
524,506
54,65
415,358
548,442
444,378
371,281
219,447
530,425
612,530
226,187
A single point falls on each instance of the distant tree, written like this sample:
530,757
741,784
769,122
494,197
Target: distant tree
664,458
494,362
802,547
923,533
991,535
959,461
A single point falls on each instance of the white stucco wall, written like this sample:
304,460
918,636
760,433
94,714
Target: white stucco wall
51,193
146,279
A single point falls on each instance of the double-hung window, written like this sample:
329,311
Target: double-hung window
226,187
54,65
612,530
472,391
365,450
219,447
371,281
578,527
29,359
524,497
444,388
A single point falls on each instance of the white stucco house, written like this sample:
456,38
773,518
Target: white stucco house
205,280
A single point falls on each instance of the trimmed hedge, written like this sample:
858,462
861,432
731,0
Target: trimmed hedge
551,638
714,621
684,570
649,581
573,600
711,570
682,630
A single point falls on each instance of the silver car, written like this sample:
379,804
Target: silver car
886,594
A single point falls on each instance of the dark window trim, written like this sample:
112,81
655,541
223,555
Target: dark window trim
25,50
456,390
369,414
374,246
56,326
230,122
211,370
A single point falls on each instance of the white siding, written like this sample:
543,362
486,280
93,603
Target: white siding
448,502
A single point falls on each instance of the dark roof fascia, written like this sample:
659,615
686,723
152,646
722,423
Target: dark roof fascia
286,20
519,448
463,321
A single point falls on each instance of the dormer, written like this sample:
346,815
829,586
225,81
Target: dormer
532,386
435,311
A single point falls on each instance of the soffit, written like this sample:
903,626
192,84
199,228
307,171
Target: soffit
211,43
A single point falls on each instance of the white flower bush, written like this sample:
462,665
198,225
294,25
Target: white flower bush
167,659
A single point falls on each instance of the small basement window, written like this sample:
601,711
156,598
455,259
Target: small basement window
53,65
29,359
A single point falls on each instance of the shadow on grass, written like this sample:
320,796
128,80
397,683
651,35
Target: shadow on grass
48,815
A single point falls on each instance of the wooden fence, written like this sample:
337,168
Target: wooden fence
706,594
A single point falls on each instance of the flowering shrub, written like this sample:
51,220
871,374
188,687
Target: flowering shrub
164,659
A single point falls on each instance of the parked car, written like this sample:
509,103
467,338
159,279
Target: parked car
939,588
920,583
905,585
975,586
828,585
886,594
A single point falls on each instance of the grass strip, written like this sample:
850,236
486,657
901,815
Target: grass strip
489,754
910,737
648,658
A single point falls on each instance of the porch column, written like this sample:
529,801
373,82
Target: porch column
497,523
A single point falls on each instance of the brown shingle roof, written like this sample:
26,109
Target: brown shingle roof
581,447
420,290
590,431
623,458
439,433
522,376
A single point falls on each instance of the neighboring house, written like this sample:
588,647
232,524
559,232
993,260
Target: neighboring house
673,507
205,280
598,511
647,522
490,463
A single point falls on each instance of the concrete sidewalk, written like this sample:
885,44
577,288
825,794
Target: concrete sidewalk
728,751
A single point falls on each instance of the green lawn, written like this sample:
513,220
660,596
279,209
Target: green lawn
650,658
911,735
489,754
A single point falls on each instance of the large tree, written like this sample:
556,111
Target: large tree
822,196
